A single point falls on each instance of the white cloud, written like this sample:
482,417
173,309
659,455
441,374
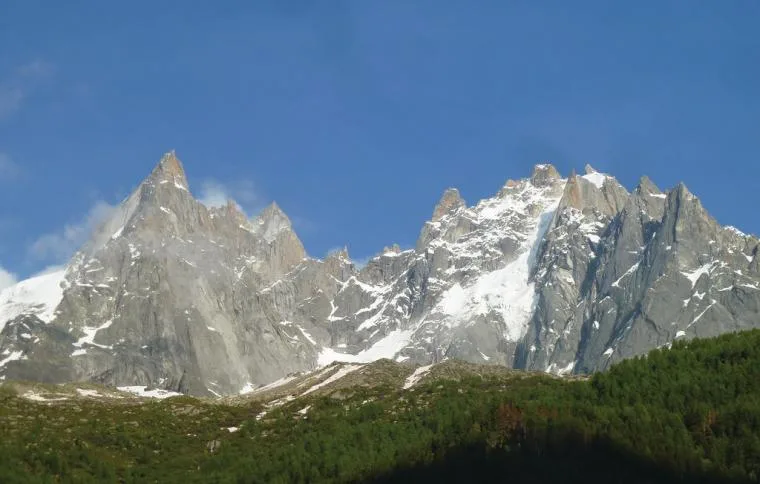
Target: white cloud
7,279
214,193
59,246
16,87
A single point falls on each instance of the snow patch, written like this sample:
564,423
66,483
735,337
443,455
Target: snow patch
415,377
334,377
16,355
38,295
567,369
88,393
89,337
36,397
702,314
694,275
307,336
142,391
596,178
248,388
630,271
736,231
387,347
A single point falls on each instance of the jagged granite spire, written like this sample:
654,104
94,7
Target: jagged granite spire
450,201
647,187
564,276
544,174
169,169
271,221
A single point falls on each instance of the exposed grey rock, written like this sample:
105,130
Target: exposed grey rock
544,175
450,202
551,274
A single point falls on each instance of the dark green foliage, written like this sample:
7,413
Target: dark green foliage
689,414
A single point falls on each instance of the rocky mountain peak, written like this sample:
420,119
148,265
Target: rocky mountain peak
340,254
689,213
573,194
393,249
232,209
682,201
544,174
683,192
271,221
450,201
594,191
646,187
170,169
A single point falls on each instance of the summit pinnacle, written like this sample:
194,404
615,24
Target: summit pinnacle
450,201
544,174
169,169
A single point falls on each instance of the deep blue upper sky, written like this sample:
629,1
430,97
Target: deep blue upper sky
356,115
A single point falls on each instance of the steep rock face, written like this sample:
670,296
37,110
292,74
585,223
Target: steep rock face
616,287
551,274
164,294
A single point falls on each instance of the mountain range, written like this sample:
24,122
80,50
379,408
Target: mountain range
552,274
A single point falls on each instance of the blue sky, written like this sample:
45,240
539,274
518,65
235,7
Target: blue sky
356,115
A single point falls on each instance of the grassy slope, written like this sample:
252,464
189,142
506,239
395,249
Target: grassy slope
687,414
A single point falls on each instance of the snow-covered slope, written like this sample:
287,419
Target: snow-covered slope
507,292
465,291
39,295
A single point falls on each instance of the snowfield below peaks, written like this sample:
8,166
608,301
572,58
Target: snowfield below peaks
388,347
507,292
39,295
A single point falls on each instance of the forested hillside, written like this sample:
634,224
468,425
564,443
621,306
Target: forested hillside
686,414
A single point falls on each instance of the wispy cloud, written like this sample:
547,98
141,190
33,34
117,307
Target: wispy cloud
361,262
49,270
36,69
57,247
8,168
7,279
11,99
214,193
17,86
